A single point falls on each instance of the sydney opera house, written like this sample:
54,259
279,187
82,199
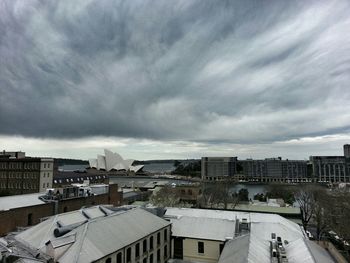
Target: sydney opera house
113,162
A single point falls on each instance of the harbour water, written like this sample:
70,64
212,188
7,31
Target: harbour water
253,189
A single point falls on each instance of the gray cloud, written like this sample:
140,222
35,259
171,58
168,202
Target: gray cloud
228,71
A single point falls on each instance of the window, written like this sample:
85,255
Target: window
165,251
221,247
119,257
158,238
128,254
200,247
151,258
165,235
43,185
144,260
158,255
151,243
30,219
144,246
137,252
108,260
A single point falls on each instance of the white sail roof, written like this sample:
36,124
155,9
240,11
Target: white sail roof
101,162
113,161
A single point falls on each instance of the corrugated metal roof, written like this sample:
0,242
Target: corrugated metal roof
203,228
16,201
93,212
27,260
304,251
256,248
59,242
98,237
108,234
207,213
269,209
237,248
71,218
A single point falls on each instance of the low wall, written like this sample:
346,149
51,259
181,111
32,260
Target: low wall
31,215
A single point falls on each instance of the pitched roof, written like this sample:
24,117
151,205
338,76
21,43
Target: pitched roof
96,237
254,246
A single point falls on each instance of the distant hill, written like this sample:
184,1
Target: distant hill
137,162
63,161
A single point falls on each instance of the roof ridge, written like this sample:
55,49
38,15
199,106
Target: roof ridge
308,248
249,235
82,240
46,237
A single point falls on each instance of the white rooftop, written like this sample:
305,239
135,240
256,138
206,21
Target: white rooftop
203,228
16,201
249,247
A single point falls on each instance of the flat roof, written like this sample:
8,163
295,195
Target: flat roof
17,201
268,209
203,228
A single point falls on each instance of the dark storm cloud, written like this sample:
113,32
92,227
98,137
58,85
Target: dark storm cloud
237,71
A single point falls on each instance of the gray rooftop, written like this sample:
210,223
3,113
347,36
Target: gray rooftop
16,201
203,228
253,246
95,238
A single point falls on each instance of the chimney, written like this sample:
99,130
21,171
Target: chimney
347,150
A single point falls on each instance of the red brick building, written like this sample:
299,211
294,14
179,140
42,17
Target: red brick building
26,210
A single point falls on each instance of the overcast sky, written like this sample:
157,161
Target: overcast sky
175,79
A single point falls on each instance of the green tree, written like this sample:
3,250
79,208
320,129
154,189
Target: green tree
177,163
281,191
243,194
218,194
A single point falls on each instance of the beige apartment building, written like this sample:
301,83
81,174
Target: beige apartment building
199,239
23,175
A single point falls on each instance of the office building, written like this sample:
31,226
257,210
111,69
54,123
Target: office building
346,148
218,168
332,169
20,174
275,170
61,179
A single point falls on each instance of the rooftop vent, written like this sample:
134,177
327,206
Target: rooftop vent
277,250
62,230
